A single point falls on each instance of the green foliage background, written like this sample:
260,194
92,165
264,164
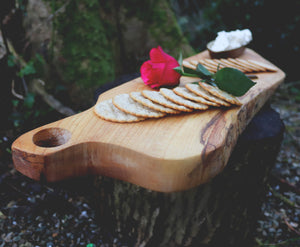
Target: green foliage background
86,47
92,34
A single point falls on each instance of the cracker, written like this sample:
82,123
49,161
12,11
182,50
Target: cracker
189,65
193,62
125,103
263,65
158,98
240,62
107,111
184,92
196,89
244,65
210,67
233,65
216,63
251,65
137,96
169,94
220,93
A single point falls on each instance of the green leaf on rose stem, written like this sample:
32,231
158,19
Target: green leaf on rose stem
191,71
180,71
210,82
180,59
233,81
202,73
201,69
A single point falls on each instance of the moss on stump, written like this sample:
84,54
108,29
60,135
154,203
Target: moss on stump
94,41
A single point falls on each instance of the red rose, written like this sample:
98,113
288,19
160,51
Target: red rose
159,70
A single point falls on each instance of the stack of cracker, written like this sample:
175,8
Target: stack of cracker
138,106
244,65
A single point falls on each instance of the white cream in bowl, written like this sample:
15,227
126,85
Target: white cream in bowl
230,40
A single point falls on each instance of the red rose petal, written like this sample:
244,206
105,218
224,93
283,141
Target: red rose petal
157,55
169,74
166,55
149,73
146,71
159,70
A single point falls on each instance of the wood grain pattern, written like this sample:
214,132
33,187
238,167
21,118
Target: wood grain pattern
173,153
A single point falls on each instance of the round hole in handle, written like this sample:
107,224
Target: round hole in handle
52,137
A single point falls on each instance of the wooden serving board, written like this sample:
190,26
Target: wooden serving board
172,153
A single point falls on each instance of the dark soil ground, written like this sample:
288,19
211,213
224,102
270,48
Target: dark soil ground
279,225
64,214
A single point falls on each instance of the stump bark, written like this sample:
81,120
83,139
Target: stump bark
222,212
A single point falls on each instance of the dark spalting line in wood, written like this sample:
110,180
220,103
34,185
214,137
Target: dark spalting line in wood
251,107
230,139
214,122
205,141
207,127
241,115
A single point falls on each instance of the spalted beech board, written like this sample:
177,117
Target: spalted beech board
172,153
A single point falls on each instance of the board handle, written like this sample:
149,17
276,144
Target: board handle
51,137
38,151
55,136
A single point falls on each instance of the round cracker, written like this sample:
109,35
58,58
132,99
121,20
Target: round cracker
158,98
220,93
137,96
184,92
169,94
107,111
125,103
195,88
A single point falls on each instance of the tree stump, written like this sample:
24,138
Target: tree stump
222,212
